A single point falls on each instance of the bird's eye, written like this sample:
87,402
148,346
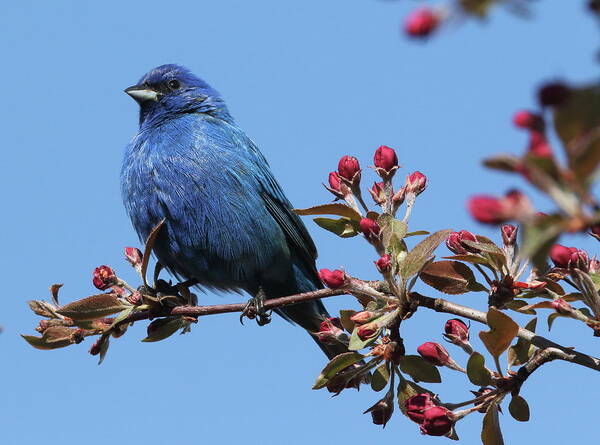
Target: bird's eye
173,84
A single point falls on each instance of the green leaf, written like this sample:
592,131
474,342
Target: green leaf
93,307
502,331
450,277
506,163
553,316
148,252
380,377
343,227
345,315
331,209
538,237
488,249
419,369
337,364
417,233
468,258
477,372
491,433
519,408
163,328
480,8
42,308
392,229
103,349
519,353
577,123
421,253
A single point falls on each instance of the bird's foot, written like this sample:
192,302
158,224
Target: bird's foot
254,309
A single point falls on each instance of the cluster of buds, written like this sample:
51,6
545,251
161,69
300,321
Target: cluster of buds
104,277
333,279
569,257
534,124
456,242
434,420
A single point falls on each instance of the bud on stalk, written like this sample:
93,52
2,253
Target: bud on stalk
437,355
382,411
333,279
104,277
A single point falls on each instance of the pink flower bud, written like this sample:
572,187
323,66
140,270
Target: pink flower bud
369,227
437,421
434,353
368,330
553,94
492,210
362,317
384,264
509,234
333,279
96,347
456,332
417,405
330,331
416,183
595,231
378,193
455,242
349,168
539,145
561,306
134,256
579,260
528,120
335,182
104,277
594,265
382,411
421,23
385,158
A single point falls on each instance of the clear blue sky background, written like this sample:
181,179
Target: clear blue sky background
309,81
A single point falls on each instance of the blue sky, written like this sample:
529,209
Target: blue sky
309,81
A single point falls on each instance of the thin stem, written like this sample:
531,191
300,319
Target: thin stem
482,272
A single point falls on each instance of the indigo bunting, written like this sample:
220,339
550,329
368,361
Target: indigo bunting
228,225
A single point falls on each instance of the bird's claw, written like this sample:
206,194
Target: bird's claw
254,310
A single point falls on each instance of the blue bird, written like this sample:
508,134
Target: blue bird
228,225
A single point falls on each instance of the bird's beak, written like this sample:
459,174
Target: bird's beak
141,93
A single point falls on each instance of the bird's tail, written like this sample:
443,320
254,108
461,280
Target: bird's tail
308,314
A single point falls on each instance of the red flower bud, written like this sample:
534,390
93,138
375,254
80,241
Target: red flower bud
368,330
416,406
455,243
103,277
362,317
528,120
416,183
378,193
509,234
421,23
579,260
134,256
334,181
492,210
456,332
382,411
539,145
369,228
561,306
434,353
437,421
595,231
385,158
384,264
333,279
96,347
553,94
330,331
565,257
348,168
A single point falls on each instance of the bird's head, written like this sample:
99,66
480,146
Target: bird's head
171,89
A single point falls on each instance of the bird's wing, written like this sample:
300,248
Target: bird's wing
281,210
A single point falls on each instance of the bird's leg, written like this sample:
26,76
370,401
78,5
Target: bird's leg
255,309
